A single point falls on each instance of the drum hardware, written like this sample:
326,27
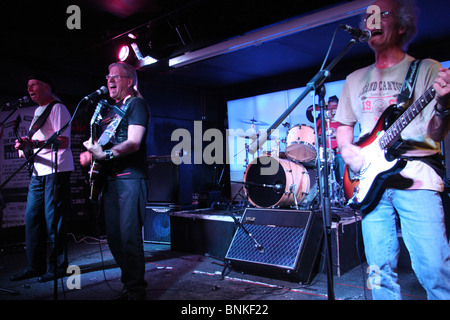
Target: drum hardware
246,154
278,187
292,190
330,113
251,136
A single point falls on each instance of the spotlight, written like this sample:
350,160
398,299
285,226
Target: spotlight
124,52
138,57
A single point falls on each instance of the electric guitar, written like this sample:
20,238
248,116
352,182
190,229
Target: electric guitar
364,190
27,152
95,169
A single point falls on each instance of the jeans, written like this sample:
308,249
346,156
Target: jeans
124,204
422,225
39,221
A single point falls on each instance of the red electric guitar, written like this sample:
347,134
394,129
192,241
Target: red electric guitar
363,190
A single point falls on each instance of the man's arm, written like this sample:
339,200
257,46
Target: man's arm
351,154
135,136
439,126
132,144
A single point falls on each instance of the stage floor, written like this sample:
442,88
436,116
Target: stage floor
183,277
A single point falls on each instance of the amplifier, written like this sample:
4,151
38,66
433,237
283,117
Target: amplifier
163,180
277,243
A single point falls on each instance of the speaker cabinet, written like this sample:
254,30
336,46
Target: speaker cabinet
157,224
282,244
163,180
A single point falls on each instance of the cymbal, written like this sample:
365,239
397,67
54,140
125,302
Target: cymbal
255,122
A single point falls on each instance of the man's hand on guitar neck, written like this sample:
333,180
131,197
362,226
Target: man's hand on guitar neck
442,87
95,149
24,144
438,126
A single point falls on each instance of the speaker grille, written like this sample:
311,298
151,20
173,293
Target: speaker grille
277,243
280,245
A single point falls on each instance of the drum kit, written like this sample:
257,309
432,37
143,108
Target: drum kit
289,178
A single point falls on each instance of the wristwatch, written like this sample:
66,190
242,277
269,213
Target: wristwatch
442,113
109,155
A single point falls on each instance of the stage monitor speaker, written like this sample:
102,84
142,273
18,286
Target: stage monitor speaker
163,180
283,244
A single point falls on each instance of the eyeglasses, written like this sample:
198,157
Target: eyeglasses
115,77
383,15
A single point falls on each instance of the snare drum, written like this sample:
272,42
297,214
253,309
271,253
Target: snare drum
300,143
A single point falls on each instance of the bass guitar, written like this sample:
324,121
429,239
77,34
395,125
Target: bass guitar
364,189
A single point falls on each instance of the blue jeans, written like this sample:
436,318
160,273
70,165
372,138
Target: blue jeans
422,227
39,221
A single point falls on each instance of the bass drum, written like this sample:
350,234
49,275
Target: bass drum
273,182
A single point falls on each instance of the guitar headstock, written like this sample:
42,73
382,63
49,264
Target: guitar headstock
16,124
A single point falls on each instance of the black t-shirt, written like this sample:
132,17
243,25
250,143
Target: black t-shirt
133,165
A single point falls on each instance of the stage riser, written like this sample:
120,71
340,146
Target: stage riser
202,232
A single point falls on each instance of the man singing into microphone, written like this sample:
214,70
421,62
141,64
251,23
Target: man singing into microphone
49,117
411,197
123,157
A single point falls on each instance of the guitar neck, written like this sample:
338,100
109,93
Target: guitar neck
394,131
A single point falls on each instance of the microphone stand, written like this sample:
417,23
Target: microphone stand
324,191
316,82
240,225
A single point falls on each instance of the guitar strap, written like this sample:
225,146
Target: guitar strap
110,131
41,120
403,100
406,92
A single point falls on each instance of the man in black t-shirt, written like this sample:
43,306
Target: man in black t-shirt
125,189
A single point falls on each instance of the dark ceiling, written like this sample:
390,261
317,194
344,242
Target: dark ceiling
36,37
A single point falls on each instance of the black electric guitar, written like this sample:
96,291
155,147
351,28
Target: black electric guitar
95,180
364,189
27,152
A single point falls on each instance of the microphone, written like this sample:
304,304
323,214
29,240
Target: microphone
278,187
358,34
103,90
18,102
